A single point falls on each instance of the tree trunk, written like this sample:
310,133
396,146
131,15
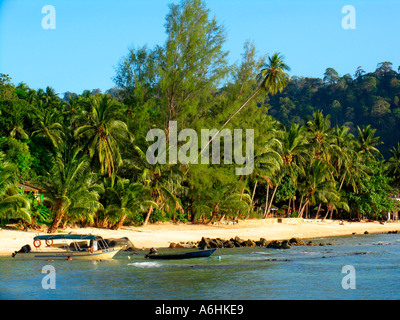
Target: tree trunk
215,211
230,118
57,218
272,198
148,216
319,208
301,203
252,196
120,222
266,203
329,209
302,209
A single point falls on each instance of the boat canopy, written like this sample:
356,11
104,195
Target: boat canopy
66,236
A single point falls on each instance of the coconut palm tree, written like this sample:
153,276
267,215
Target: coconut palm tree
161,181
292,148
104,133
267,161
71,188
47,125
320,135
12,203
271,79
127,199
343,158
393,164
318,186
368,142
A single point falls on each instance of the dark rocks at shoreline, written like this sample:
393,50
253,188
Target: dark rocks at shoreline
296,242
120,242
209,243
276,244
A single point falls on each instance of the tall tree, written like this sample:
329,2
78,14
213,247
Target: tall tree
104,133
272,79
193,62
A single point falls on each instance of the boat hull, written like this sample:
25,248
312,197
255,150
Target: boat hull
68,255
187,255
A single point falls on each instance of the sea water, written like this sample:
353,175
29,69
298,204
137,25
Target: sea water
302,272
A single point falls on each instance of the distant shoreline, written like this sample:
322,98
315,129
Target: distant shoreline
161,235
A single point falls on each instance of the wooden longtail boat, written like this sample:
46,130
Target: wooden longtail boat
184,255
96,249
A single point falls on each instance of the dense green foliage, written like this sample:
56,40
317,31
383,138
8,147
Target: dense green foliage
363,99
317,150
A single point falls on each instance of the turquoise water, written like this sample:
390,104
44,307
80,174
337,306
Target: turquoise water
304,272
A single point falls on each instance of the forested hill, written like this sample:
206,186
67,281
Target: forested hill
359,100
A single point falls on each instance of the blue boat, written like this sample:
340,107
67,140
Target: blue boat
184,255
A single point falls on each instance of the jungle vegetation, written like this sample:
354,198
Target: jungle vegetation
324,148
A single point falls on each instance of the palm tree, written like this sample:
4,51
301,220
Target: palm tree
225,200
267,161
71,188
343,158
272,79
49,96
104,133
320,131
318,186
368,142
48,126
126,200
12,203
161,181
292,149
393,164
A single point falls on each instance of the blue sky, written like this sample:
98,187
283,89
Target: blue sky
91,36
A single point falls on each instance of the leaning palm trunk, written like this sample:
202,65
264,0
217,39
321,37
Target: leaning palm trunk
304,206
230,118
120,222
319,209
301,203
252,197
272,199
148,216
58,217
266,203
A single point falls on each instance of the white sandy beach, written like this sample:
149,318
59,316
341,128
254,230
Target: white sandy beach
162,235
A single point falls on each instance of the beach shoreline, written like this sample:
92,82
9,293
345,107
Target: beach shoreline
161,235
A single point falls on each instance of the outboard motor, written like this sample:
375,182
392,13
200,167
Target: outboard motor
152,251
25,249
